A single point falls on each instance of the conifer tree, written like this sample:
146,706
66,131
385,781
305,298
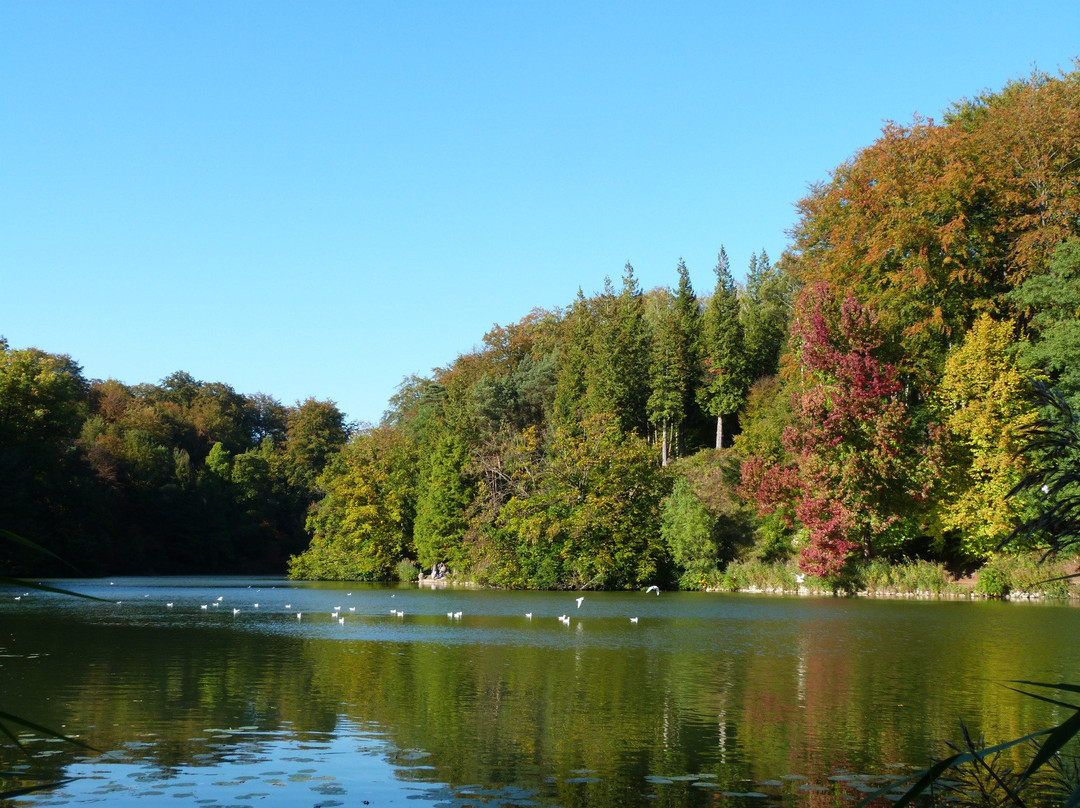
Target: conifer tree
765,313
675,362
617,377
725,381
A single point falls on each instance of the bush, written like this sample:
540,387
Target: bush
1025,574
408,570
991,582
772,576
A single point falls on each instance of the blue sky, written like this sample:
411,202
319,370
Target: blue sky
321,198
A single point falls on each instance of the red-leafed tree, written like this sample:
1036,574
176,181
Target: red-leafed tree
855,468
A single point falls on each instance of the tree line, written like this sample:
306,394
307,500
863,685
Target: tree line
865,396
180,476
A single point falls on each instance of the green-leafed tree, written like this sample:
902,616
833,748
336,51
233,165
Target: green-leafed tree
1051,302
617,375
723,388
316,432
589,519
363,525
669,385
573,346
691,534
675,325
985,407
765,306
443,499
43,403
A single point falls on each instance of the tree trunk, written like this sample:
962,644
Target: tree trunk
719,432
663,446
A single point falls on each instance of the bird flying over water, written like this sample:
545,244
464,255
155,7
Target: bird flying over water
653,588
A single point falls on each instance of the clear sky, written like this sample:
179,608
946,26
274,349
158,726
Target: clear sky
321,198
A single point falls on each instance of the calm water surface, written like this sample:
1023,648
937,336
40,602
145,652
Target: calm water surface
191,691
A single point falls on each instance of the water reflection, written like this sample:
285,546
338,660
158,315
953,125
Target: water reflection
704,696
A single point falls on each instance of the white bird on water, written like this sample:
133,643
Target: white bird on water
528,615
579,600
653,588
633,619
236,611
299,615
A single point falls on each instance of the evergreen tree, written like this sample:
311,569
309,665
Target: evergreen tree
765,313
442,501
1051,299
725,382
675,363
617,377
666,404
575,338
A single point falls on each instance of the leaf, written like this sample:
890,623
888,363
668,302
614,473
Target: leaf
25,542
928,777
1059,736
14,719
40,587
18,792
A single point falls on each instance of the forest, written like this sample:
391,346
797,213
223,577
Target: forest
861,399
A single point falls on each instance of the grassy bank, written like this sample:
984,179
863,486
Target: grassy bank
1006,577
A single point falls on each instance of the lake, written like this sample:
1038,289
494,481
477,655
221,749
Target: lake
352,694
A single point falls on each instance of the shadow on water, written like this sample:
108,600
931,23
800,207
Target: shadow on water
456,697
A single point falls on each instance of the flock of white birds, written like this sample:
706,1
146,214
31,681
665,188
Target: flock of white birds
336,614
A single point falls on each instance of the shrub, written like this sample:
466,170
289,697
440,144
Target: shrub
407,570
1023,574
991,582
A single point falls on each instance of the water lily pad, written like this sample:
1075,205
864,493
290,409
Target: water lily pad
755,794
